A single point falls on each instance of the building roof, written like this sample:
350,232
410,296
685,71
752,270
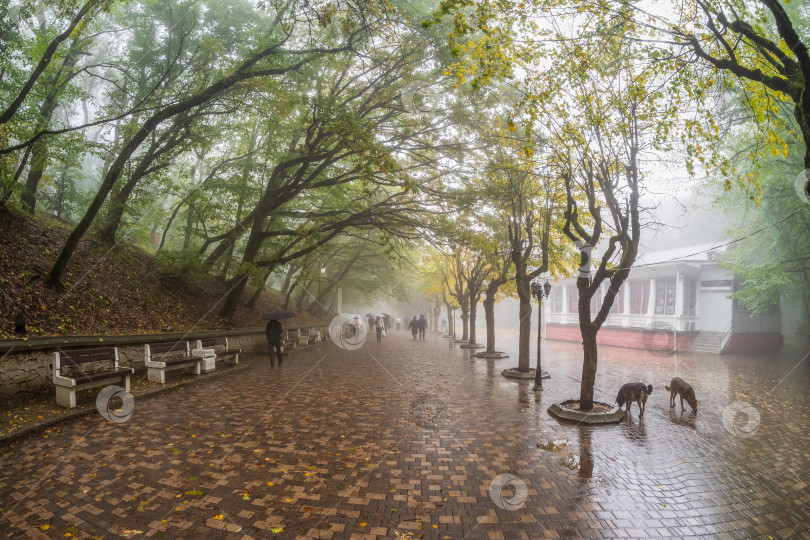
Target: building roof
699,253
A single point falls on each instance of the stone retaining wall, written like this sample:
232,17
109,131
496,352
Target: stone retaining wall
26,367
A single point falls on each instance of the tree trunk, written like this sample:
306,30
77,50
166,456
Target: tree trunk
115,210
588,369
465,319
39,160
60,194
437,311
291,271
489,314
525,297
189,224
473,317
41,153
153,233
252,302
288,295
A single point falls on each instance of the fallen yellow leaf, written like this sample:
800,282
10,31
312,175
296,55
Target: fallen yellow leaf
221,516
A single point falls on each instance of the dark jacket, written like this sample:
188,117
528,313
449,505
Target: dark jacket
423,324
273,331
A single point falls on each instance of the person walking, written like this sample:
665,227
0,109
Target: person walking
423,324
398,322
379,323
274,343
356,325
413,326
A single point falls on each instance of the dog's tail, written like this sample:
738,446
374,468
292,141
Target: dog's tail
649,389
667,387
620,398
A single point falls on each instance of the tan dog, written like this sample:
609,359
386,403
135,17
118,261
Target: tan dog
681,388
637,392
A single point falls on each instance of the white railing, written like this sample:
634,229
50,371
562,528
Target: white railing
682,323
726,335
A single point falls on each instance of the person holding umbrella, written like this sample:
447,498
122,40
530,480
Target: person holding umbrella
273,333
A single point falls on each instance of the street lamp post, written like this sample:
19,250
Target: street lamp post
320,304
539,292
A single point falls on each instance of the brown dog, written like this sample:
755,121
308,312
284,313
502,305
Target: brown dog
681,388
637,392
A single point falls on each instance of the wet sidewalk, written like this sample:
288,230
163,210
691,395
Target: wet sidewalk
414,439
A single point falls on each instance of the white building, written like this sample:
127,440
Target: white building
677,298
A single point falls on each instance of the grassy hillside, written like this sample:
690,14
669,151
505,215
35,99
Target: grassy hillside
108,290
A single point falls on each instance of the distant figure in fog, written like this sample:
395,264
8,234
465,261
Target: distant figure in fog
274,343
423,324
413,326
356,325
444,325
398,322
379,323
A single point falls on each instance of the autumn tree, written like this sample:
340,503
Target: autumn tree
268,58
529,200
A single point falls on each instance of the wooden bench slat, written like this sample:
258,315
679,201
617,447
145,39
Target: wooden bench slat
180,361
83,356
93,376
163,348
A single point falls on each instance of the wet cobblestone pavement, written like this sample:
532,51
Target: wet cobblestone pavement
405,439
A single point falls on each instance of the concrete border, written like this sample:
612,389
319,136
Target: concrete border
513,373
37,344
559,411
493,354
471,346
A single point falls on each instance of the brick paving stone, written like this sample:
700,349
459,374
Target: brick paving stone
404,439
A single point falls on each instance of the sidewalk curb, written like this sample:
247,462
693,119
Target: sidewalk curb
79,412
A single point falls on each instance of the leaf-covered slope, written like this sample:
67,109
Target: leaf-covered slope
114,290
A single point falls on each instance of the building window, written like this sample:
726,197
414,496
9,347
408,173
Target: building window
639,296
689,296
555,300
618,302
573,299
716,284
665,296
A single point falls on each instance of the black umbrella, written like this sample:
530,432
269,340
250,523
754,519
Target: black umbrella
278,315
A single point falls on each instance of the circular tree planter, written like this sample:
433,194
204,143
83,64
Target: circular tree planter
602,413
513,373
471,346
493,354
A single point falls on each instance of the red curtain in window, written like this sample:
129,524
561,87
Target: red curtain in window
639,296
